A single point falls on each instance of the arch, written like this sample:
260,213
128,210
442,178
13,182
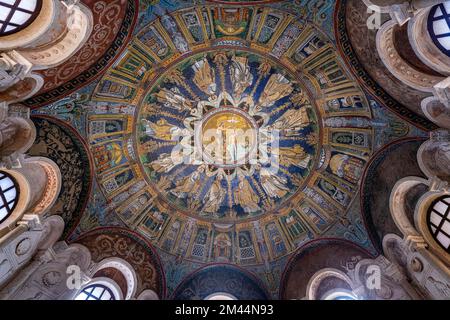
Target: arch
109,242
314,290
403,70
148,295
314,256
126,270
74,161
424,209
436,111
397,205
393,162
433,156
52,186
100,289
220,296
224,278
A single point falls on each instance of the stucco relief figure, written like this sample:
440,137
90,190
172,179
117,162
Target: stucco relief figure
173,98
274,185
205,77
14,134
215,196
240,75
442,157
5,266
10,72
245,196
190,184
162,129
8,130
292,121
276,88
442,288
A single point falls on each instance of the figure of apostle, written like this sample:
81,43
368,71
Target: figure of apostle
245,196
161,130
292,156
274,185
240,75
205,77
276,88
166,162
214,197
292,121
173,99
190,184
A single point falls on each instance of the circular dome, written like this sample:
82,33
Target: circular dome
237,130
16,15
213,135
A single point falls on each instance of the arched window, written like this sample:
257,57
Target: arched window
439,222
15,15
339,295
9,193
96,291
439,26
220,296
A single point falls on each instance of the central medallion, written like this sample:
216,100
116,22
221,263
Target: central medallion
227,136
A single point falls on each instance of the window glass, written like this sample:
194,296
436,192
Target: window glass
439,222
439,26
15,15
96,292
9,192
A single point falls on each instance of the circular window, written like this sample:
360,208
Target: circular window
439,222
15,15
439,26
9,193
96,292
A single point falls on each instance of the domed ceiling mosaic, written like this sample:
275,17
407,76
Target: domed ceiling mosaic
229,132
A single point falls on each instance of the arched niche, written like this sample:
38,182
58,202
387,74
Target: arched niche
108,244
313,257
119,271
328,284
434,156
220,279
61,143
392,163
38,183
404,65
